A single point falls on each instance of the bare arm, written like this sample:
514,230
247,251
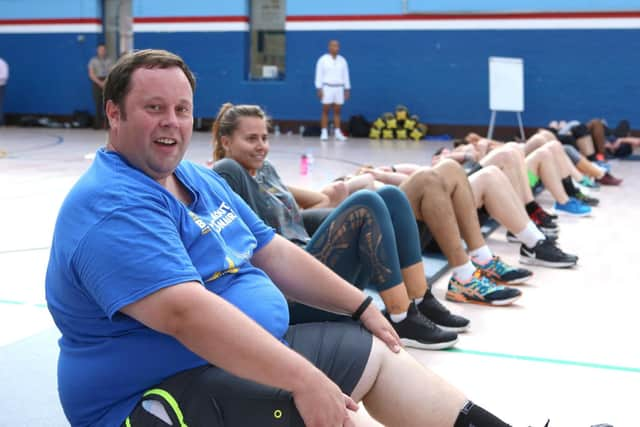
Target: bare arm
223,335
307,199
336,191
364,181
314,284
386,177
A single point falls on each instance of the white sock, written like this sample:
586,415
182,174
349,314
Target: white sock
418,300
530,236
464,272
482,255
396,318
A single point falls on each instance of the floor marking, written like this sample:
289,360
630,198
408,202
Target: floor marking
546,360
13,302
11,251
537,359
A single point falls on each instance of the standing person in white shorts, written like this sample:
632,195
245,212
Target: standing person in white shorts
333,87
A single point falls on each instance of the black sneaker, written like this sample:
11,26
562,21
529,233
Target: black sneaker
513,239
544,222
546,254
550,215
419,332
587,200
438,314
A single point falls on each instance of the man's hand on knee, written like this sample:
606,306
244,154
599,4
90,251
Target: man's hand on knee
322,403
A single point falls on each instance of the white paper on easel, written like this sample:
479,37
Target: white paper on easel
506,84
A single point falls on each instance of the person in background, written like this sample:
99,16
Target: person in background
99,67
4,78
370,238
333,88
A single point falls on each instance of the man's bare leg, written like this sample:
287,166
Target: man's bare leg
324,120
431,204
541,163
337,108
459,191
510,159
399,391
492,189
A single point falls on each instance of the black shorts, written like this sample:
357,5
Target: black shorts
209,396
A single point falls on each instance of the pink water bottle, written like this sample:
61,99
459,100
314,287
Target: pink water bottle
304,164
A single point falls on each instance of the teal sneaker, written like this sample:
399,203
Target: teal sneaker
501,272
589,183
481,290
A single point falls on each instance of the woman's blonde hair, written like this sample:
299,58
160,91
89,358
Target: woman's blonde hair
227,122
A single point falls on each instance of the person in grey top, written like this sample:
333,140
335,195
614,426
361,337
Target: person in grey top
99,67
4,77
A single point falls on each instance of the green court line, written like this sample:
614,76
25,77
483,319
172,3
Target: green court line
12,302
546,360
11,251
466,351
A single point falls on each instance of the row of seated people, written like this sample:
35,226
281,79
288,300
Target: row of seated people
171,294
447,203
595,139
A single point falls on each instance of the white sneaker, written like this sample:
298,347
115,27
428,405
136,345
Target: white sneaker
339,136
324,135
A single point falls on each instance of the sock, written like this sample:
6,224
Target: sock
418,300
531,235
531,207
397,318
482,255
472,415
567,183
464,272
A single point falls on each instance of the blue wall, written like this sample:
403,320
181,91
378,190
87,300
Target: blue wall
344,7
519,6
441,75
39,9
145,8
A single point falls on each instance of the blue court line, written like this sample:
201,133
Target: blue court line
546,360
58,139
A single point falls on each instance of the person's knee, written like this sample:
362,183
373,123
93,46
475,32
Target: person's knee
370,199
430,179
449,168
502,157
492,171
546,135
555,146
485,178
392,196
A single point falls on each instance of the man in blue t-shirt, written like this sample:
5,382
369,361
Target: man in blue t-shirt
170,292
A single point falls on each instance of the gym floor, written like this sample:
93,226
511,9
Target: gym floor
562,352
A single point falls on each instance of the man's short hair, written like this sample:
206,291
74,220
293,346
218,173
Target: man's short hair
118,82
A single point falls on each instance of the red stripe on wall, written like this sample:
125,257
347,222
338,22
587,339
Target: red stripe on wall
50,21
474,16
189,19
343,18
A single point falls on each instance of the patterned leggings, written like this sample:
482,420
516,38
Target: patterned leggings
367,239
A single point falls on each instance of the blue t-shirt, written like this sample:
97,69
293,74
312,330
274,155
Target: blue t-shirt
119,237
